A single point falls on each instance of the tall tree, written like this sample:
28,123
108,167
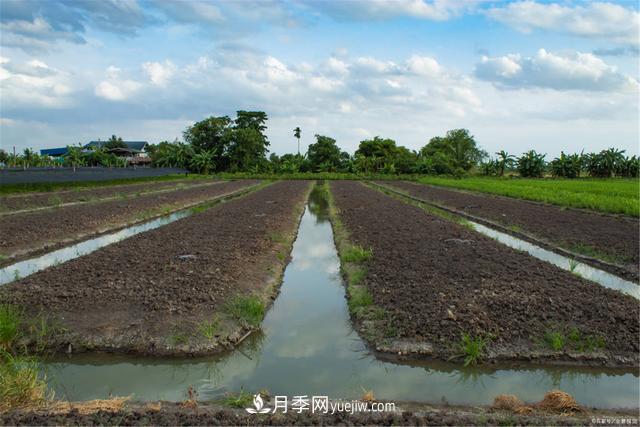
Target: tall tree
324,155
210,135
296,132
505,160
456,152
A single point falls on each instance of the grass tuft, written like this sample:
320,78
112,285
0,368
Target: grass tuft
356,254
209,328
472,348
10,321
241,399
249,309
20,384
360,297
555,340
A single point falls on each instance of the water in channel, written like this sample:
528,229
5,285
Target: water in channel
309,348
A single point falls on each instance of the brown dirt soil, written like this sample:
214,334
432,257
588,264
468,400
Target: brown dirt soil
208,413
24,201
612,238
437,279
148,294
22,235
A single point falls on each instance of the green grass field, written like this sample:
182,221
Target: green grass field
619,196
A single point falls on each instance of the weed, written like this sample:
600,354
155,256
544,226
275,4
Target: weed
43,331
242,399
10,321
248,309
20,384
515,228
209,328
281,255
356,254
355,277
555,340
177,338
55,200
360,297
585,343
277,238
16,275
592,252
472,348
573,264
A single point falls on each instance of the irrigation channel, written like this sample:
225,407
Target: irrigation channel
308,347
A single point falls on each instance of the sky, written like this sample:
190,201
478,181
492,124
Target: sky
520,75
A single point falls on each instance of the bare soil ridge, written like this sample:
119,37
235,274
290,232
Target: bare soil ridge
150,293
613,237
436,279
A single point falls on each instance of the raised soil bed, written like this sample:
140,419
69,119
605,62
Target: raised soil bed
30,233
150,293
613,238
437,280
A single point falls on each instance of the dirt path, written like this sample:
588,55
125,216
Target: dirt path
19,202
436,280
151,293
614,239
29,233
208,413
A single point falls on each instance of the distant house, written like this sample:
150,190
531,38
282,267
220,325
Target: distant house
134,151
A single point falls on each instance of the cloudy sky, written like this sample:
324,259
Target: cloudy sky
518,75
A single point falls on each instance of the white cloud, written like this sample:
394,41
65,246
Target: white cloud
34,84
435,10
574,71
606,21
423,65
116,88
159,73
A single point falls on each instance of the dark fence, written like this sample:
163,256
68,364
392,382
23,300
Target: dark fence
52,175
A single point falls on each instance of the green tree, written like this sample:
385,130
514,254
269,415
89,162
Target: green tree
74,156
324,155
203,162
566,166
247,149
505,160
212,135
297,132
114,142
455,153
252,120
531,164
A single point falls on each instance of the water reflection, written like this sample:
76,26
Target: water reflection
308,347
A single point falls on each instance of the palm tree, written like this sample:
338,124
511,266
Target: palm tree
296,133
504,160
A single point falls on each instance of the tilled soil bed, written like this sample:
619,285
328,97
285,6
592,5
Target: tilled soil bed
154,292
437,280
206,413
26,201
25,234
613,238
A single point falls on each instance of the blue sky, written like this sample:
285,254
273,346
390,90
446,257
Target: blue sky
524,74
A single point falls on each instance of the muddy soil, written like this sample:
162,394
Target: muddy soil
168,413
25,234
22,201
151,293
613,238
437,279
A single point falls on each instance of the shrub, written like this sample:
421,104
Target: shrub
531,164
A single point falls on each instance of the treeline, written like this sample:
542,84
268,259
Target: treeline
220,144
223,144
605,164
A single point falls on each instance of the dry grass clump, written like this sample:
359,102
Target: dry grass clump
559,401
555,401
114,404
21,386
